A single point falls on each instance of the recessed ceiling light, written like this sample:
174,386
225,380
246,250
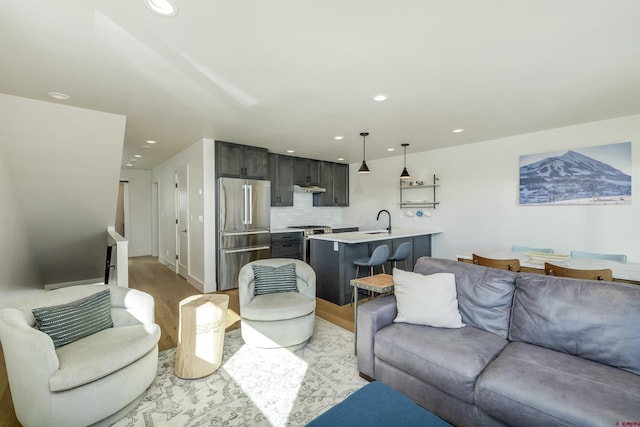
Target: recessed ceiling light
162,7
391,149
128,165
146,146
137,155
150,141
458,130
339,137
340,159
291,151
58,95
380,98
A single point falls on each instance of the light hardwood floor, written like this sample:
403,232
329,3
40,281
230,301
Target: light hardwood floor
168,289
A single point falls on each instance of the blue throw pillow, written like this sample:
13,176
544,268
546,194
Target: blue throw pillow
269,280
70,322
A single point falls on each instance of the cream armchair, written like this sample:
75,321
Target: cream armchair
284,319
92,381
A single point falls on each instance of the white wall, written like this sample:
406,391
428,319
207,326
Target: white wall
19,273
479,195
64,164
139,220
201,200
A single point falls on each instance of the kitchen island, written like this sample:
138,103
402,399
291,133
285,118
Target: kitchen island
332,257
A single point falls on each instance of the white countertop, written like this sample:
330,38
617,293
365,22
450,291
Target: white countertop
372,235
626,271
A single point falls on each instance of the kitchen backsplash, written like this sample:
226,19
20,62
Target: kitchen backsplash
304,213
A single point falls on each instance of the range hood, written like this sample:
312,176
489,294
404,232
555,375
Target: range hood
309,189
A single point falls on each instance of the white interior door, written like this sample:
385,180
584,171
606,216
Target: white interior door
182,222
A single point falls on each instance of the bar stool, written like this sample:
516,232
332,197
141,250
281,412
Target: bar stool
378,257
401,254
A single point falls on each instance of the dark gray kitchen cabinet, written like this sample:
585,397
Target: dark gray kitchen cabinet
287,245
335,178
241,161
281,177
341,184
306,172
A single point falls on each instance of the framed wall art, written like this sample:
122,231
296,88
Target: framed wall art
599,175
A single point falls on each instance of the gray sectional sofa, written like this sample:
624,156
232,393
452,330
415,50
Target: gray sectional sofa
535,350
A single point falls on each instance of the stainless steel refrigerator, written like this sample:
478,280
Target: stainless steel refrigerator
244,218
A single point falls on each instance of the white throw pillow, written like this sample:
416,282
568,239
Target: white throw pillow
427,300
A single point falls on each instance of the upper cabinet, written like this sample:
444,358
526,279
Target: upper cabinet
281,177
334,177
306,172
241,161
244,161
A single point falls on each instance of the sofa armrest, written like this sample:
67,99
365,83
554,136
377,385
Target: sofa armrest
131,307
372,317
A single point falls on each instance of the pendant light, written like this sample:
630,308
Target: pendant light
405,174
363,168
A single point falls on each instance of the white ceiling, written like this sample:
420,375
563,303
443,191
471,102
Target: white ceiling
292,74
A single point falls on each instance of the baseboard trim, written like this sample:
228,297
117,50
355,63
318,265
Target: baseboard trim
97,281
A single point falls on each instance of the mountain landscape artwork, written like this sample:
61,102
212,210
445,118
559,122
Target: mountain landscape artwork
599,175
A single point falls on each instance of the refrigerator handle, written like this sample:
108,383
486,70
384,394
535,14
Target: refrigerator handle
246,202
250,204
252,249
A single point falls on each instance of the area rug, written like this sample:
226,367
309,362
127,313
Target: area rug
255,387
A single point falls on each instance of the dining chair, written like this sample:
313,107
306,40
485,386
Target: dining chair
516,248
592,255
555,270
503,264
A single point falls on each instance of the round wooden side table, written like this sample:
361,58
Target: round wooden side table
201,335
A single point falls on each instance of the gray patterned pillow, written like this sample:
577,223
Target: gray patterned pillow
270,280
70,322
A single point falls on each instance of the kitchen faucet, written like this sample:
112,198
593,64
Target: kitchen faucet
378,218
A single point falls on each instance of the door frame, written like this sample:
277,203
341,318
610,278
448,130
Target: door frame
184,170
125,205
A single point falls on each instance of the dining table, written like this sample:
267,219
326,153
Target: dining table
530,262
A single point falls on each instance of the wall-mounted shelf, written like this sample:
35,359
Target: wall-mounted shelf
419,195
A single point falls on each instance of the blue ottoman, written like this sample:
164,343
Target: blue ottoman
377,405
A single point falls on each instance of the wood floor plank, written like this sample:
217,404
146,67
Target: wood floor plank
168,289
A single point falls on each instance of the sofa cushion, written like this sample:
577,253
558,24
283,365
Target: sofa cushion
590,319
101,354
66,323
448,359
532,385
278,306
484,294
269,280
426,299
